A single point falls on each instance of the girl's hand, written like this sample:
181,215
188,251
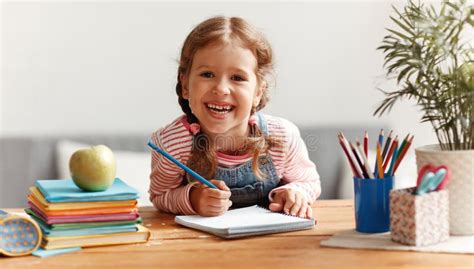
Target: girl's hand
210,202
291,202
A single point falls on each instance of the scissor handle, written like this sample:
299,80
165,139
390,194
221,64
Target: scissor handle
422,172
432,178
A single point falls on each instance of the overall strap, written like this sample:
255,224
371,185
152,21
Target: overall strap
262,123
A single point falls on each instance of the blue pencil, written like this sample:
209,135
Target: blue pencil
184,167
381,144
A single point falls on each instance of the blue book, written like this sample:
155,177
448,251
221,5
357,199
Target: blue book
89,231
64,190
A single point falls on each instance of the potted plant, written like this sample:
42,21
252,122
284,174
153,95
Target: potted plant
429,53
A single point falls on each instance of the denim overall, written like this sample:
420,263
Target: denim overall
246,188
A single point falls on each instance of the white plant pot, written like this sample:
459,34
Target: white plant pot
460,185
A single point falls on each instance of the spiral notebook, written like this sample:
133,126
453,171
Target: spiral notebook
247,221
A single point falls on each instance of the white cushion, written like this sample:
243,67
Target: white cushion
404,177
132,167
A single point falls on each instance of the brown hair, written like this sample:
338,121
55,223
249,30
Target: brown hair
225,30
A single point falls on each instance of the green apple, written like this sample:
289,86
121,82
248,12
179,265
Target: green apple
94,168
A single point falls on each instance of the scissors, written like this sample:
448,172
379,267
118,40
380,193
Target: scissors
432,178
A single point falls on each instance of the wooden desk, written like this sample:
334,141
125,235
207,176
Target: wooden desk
173,246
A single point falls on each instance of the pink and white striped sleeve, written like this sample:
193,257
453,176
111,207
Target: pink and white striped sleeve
299,171
168,189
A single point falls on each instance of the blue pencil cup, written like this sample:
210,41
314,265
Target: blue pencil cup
372,207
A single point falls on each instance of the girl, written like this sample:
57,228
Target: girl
254,158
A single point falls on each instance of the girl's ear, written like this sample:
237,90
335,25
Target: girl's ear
184,86
259,93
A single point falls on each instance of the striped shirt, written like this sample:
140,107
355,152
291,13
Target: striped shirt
170,193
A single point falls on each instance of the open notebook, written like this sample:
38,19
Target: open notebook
247,221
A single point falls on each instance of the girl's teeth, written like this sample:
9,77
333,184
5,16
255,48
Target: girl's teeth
220,109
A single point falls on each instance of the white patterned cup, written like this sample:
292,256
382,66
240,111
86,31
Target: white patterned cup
460,185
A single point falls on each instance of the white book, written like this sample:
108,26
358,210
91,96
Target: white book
247,221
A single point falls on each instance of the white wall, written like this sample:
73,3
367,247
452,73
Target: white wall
110,66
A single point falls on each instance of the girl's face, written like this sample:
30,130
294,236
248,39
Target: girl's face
222,88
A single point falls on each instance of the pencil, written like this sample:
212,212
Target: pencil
380,141
389,154
184,167
366,144
348,155
379,161
387,144
400,156
394,157
381,136
364,158
403,144
362,168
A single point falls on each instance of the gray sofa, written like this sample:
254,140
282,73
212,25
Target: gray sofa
26,159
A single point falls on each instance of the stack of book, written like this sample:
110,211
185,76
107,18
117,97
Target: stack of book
71,217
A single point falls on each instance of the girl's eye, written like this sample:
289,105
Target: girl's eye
207,74
237,78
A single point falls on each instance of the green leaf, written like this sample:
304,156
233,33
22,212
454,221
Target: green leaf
452,6
404,27
407,22
402,73
398,34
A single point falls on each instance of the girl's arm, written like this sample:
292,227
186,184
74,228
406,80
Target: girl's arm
167,192
299,171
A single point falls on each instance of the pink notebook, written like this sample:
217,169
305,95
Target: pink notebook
84,218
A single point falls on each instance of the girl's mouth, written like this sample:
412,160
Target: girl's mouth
220,109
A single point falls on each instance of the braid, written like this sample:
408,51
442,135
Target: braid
184,103
259,143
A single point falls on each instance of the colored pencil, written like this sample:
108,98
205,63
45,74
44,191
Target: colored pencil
402,154
389,154
380,141
394,157
381,136
403,144
364,158
184,167
361,165
353,158
343,143
379,160
387,145
366,144
347,156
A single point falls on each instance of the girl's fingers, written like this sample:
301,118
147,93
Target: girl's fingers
215,206
302,212
218,194
289,202
277,203
309,213
213,202
297,205
220,184
218,210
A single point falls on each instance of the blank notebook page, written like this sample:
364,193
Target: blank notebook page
243,217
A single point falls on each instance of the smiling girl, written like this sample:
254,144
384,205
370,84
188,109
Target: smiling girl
252,158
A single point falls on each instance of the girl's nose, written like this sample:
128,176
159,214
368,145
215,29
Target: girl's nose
222,87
